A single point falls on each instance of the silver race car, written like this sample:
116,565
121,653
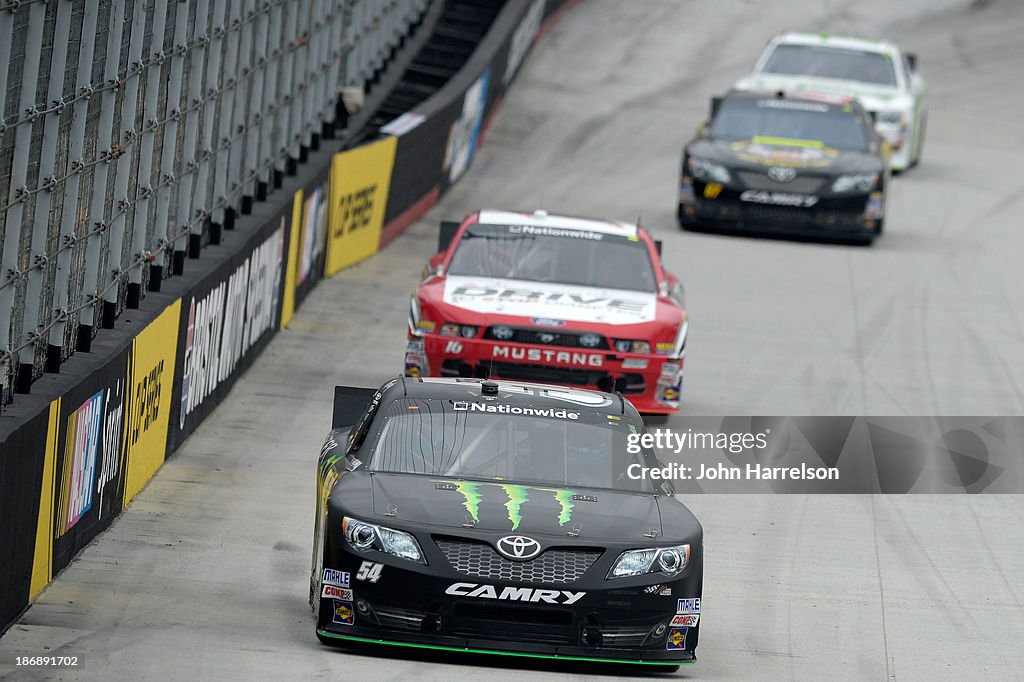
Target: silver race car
884,78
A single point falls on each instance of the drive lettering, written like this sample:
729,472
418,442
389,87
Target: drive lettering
527,594
530,295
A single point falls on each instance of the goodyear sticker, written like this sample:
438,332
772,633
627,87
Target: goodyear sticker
676,638
343,613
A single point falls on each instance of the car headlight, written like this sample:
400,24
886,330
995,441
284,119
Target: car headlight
502,332
465,330
632,346
892,117
363,536
861,182
703,169
667,560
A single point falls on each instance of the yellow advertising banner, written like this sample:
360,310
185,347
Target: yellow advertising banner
360,181
151,379
42,563
288,304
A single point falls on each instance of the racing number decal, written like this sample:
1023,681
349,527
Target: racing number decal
369,571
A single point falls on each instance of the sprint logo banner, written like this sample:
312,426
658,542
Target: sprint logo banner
359,186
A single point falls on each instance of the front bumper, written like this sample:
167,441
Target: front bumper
653,383
847,217
628,620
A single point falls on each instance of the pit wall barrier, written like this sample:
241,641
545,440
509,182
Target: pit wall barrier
87,442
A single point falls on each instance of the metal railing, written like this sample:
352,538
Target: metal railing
132,131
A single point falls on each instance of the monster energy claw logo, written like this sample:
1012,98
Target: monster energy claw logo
517,495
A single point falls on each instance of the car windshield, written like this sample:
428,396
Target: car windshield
549,254
831,62
746,119
562,445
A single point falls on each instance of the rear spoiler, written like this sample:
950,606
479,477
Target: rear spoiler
350,403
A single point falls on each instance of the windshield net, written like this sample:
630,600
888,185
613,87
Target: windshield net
745,119
549,254
831,62
552,445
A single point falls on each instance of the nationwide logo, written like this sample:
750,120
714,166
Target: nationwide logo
463,406
527,594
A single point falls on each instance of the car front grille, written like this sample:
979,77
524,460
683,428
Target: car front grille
547,337
801,184
535,625
480,560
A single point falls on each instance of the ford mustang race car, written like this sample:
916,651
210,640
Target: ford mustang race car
501,517
770,162
553,299
879,74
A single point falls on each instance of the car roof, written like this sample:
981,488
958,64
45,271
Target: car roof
837,41
541,218
509,392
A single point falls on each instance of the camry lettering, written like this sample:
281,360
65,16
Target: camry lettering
527,594
779,198
548,355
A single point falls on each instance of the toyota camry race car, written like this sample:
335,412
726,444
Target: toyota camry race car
553,299
501,517
776,163
880,75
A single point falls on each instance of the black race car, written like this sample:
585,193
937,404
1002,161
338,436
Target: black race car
776,163
501,517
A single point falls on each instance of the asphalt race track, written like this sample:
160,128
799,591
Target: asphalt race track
205,576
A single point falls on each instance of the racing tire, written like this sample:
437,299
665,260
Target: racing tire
920,142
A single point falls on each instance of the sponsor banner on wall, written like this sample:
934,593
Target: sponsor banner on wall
226,319
82,468
307,244
464,133
359,187
150,388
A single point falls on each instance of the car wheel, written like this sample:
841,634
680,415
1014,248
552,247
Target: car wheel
920,141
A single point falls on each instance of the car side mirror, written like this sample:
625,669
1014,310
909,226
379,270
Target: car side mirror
446,234
716,104
912,61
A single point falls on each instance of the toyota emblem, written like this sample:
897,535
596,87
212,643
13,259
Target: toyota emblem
781,173
518,547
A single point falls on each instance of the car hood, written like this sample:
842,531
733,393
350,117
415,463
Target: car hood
521,298
872,97
514,508
760,153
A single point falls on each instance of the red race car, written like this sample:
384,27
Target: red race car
553,299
